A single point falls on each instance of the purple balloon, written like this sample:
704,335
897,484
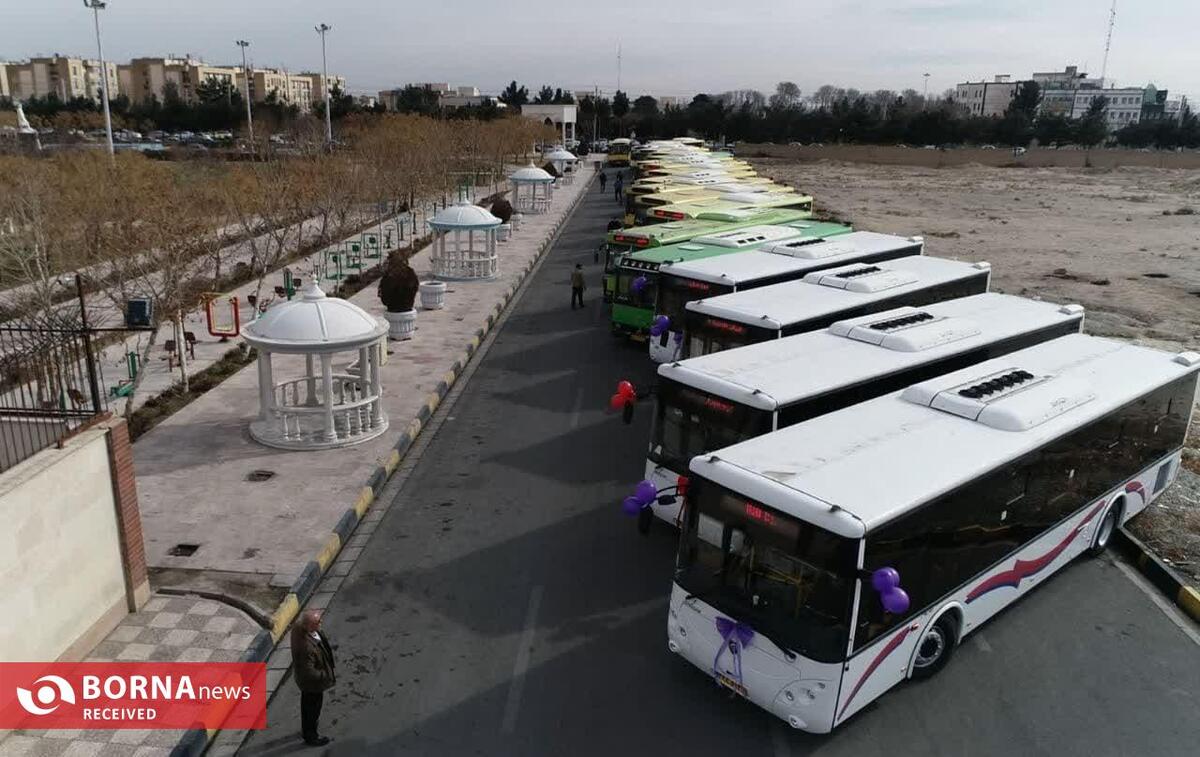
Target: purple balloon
645,492
630,506
884,579
895,600
639,284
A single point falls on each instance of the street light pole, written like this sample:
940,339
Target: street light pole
246,71
97,6
925,94
325,86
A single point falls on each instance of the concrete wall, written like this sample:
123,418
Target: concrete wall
70,548
1001,156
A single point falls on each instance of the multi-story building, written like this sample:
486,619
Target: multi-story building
64,77
1069,78
288,88
318,91
986,98
561,117
144,77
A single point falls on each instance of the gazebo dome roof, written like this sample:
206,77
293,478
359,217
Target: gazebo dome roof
561,154
531,174
314,323
464,216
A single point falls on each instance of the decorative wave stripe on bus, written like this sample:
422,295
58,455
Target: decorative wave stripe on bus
890,647
1135,487
1022,569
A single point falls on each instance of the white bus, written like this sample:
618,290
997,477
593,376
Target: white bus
718,400
858,549
770,262
794,307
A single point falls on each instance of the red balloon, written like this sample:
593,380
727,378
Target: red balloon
616,402
626,389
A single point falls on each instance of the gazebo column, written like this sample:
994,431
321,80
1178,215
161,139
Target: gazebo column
364,376
330,433
376,389
310,386
266,385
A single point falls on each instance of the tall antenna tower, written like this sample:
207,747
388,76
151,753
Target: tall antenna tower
619,64
1112,21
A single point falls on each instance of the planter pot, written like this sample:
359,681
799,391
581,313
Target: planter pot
516,221
503,233
401,325
433,295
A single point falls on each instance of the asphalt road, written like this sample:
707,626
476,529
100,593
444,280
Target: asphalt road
506,607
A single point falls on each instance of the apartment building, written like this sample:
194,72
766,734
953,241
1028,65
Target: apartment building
143,77
986,98
59,75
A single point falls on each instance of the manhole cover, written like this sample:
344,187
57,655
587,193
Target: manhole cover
257,476
183,550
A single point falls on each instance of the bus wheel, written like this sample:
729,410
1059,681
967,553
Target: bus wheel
936,647
1105,530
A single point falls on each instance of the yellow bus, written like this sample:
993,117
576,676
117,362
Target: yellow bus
759,200
620,152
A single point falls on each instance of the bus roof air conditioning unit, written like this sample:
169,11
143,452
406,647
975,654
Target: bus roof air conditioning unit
1010,400
905,329
811,248
864,279
748,236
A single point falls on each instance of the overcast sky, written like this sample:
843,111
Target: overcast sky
669,47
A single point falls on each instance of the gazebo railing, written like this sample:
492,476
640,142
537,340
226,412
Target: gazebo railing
465,264
299,407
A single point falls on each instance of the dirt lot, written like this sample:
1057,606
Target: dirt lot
1123,242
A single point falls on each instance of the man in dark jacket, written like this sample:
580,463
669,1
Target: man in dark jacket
577,285
313,669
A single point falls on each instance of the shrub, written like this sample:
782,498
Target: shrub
550,169
399,286
502,209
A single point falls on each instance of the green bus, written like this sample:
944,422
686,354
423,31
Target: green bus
623,241
634,304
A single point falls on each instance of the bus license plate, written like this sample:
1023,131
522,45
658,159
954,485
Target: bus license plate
728,683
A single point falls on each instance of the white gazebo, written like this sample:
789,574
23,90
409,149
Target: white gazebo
564,162
321,409
464,245
532,188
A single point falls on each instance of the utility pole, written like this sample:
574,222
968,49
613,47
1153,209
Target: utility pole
618,66
97,6
325,86
246,71
925,94
595,113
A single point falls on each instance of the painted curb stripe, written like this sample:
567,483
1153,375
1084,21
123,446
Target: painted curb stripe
260,649
363,503
288,609
307,582
333,544
1188,600
346,525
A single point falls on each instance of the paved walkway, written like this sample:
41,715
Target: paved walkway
166,629
193,468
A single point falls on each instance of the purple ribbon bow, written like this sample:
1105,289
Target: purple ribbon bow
735,636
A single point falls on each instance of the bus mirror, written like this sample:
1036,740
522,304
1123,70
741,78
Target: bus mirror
886,581
661,325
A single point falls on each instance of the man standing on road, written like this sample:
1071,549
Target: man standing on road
577,285
618,187
603,181
313,669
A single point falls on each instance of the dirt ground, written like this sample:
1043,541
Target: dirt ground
1123,242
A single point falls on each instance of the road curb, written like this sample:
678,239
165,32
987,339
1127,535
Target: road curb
194,742
1164,578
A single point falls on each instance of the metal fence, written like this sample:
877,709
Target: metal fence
50,386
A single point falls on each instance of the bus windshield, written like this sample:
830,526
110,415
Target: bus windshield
625,294
674,293
707,334
689,422
789,580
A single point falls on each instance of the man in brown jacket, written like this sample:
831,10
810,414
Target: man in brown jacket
313,669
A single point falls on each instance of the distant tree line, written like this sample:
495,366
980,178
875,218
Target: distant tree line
830,114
